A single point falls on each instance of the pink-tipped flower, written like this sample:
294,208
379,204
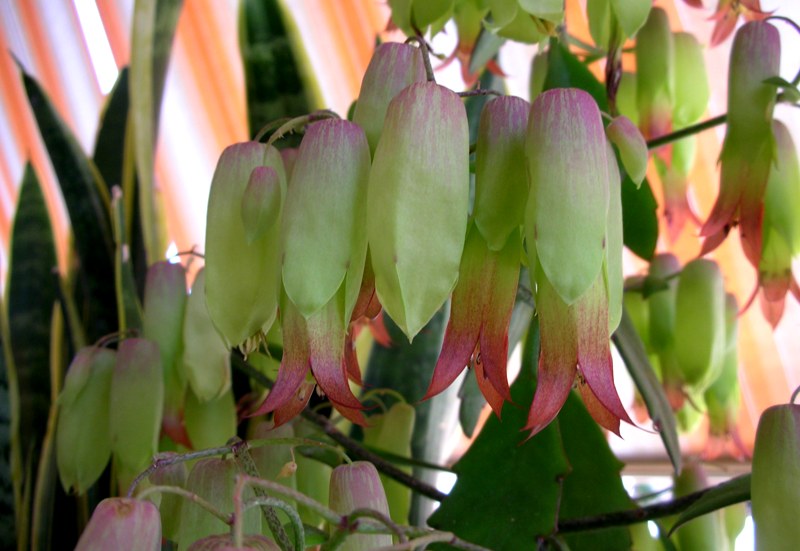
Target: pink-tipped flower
358,486
477,331
392,67
164,306
748,149
324,252
781,228
728,13
313,346
575,268
123,524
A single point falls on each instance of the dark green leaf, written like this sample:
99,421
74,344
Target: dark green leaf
507,490
564,70
486,48
593,485
7,482
272,76
632,350
128,305
407,368
471,405
109,157
730,492
31,296
86,200
639,218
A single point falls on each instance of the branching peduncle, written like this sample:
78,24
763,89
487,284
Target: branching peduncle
191,496
299,122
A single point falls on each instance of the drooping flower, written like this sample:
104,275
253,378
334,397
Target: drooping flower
324,252
248,307
477,331
574,267
418,188
748,149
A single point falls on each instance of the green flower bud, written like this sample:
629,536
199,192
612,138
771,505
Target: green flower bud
243,276
206,358
392,67
137,395
775,485
83,444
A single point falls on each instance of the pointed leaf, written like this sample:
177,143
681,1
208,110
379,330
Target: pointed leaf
518,489
31,295
632,351
631,14
730,492
87,203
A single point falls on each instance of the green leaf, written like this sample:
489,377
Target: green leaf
8,441
486,48
507,491
565,70
633,353
112,147
730,492
87,203
154,23
639,218
128,306
31,295
593,485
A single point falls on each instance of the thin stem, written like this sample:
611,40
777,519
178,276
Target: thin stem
295,442
324,512
353,448
480,92
298,122
270,126
688,131
297,523
395,528
388,391
241,453
191,496
796,392
163,460
426,56
631,516
421,542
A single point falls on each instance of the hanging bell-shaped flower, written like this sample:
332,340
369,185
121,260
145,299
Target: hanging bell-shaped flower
748,149
419,187
243,248
122,523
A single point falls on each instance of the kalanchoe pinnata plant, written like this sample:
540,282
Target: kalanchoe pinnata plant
324,252
571,166
748,149
781,227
